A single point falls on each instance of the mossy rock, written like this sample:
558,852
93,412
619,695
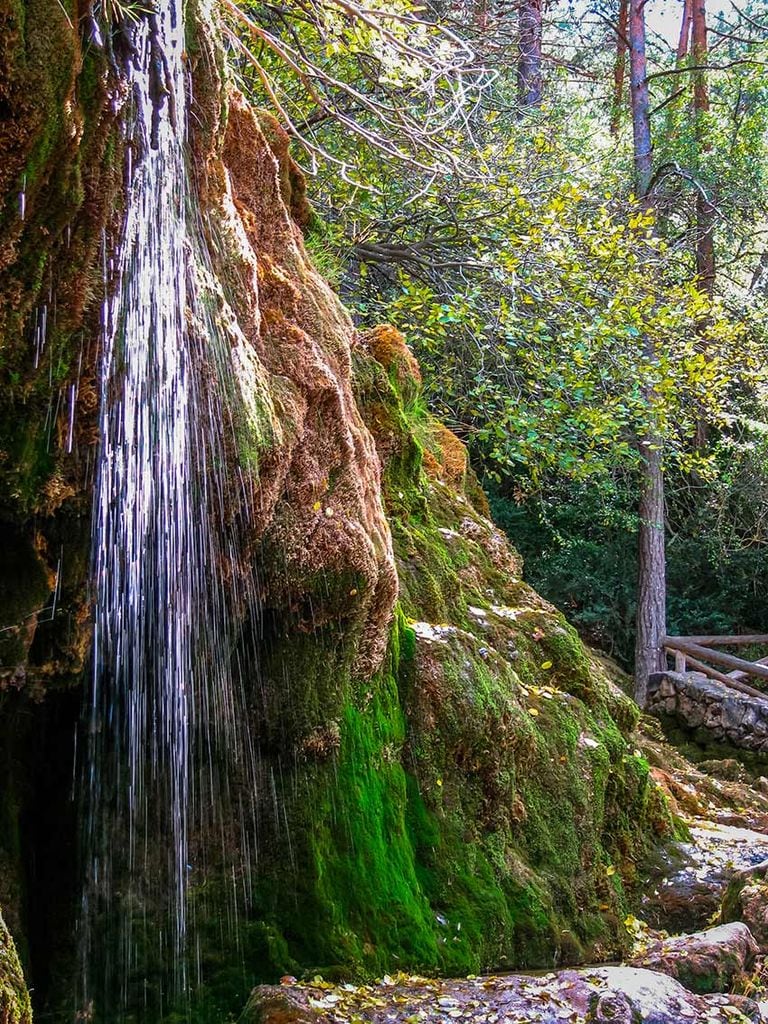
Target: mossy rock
476,803
271,1005
15,1006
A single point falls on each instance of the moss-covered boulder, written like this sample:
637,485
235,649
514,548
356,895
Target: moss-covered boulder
746,899
714,960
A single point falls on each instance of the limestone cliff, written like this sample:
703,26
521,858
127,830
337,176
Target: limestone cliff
446,780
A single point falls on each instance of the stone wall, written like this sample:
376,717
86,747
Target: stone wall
697,702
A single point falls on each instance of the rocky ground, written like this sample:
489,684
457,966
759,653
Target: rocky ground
701,934
621,995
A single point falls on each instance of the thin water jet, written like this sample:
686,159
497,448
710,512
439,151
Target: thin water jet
168,754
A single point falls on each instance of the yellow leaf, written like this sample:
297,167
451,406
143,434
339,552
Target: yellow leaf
546,664
533,711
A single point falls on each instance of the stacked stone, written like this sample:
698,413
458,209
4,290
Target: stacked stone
697,702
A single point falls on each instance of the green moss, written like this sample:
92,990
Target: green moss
15,1007
538,796
360,903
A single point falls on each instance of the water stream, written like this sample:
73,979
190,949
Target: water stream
168,757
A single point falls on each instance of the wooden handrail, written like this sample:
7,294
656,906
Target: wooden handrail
692,649
739,673
741,640
713,673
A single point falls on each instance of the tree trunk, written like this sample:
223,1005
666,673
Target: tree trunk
529,80
705,212
641,110
683,42
651,569
620,65
651,577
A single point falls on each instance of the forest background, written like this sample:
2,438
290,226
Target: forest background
564,206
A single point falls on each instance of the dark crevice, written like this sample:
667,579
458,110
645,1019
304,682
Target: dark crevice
44,750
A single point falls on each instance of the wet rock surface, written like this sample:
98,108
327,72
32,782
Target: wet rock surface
15,1007
688,884
620,995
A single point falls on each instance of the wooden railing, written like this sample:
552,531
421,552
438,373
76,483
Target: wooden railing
696,651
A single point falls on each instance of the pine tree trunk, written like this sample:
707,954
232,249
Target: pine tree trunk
651,584
705,212
641,113
529,79
620,65
685,31
651,576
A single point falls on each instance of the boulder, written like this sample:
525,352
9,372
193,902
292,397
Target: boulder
704,962
746,899
272,1004
728,769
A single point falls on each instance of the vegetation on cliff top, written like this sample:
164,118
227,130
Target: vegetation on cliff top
530,267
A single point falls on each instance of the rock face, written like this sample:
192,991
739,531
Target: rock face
446,780
606,995
720,714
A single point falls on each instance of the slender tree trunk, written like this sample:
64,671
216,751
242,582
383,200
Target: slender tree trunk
641,109
651,581
684,41
529,79
705,212
620,65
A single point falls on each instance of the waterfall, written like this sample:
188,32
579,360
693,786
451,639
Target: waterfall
168,753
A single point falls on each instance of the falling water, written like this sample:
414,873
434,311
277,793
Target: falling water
166,722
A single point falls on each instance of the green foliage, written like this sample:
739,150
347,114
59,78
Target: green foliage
115,11
530,282
389,77
556,375
557,323
579,542
722,152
